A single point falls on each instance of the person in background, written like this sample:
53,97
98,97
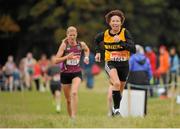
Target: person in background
37,75
163,69
2,79
17,79
174,66
22,73
29,63
44,64
9,69
88,71
55,84
151,55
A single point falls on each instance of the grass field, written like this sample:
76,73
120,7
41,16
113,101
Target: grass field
34,109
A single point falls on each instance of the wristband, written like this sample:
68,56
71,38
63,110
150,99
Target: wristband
86,58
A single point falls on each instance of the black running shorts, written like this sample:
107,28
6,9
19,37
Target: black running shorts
121,67
55,86
66,78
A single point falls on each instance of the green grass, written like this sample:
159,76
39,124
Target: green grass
34,109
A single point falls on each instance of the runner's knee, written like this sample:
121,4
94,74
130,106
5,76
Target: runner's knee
68,100
117,84
74,94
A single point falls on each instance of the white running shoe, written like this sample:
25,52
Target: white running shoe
58,108
116,112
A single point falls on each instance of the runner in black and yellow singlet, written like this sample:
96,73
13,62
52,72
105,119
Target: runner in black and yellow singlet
117,44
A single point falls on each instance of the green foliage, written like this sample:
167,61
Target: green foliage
41,7
59,34
58,11
147,20
49,22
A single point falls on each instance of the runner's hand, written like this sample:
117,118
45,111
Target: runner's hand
98,57
70,55
116,38
86,60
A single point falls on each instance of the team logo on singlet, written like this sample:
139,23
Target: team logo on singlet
68,48
79,47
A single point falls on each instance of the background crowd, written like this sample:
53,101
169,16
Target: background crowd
149,66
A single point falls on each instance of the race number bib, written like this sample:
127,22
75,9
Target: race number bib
119,56
74,61
56,77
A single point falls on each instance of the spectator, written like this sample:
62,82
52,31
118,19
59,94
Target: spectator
174,66
37,75
163,68
29,67
44,64
22,72
2,79
16,79
150,54
9,69
140,68
88,71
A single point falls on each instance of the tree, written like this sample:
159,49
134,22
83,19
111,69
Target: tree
41,25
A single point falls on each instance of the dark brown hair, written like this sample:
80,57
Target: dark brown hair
115,13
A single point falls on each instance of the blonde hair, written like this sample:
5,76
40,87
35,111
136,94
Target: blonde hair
70,29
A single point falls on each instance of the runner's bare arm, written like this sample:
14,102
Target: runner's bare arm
97,41
86,52
85,48
59,56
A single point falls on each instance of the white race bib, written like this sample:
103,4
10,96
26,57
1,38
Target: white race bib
72,62
56,77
